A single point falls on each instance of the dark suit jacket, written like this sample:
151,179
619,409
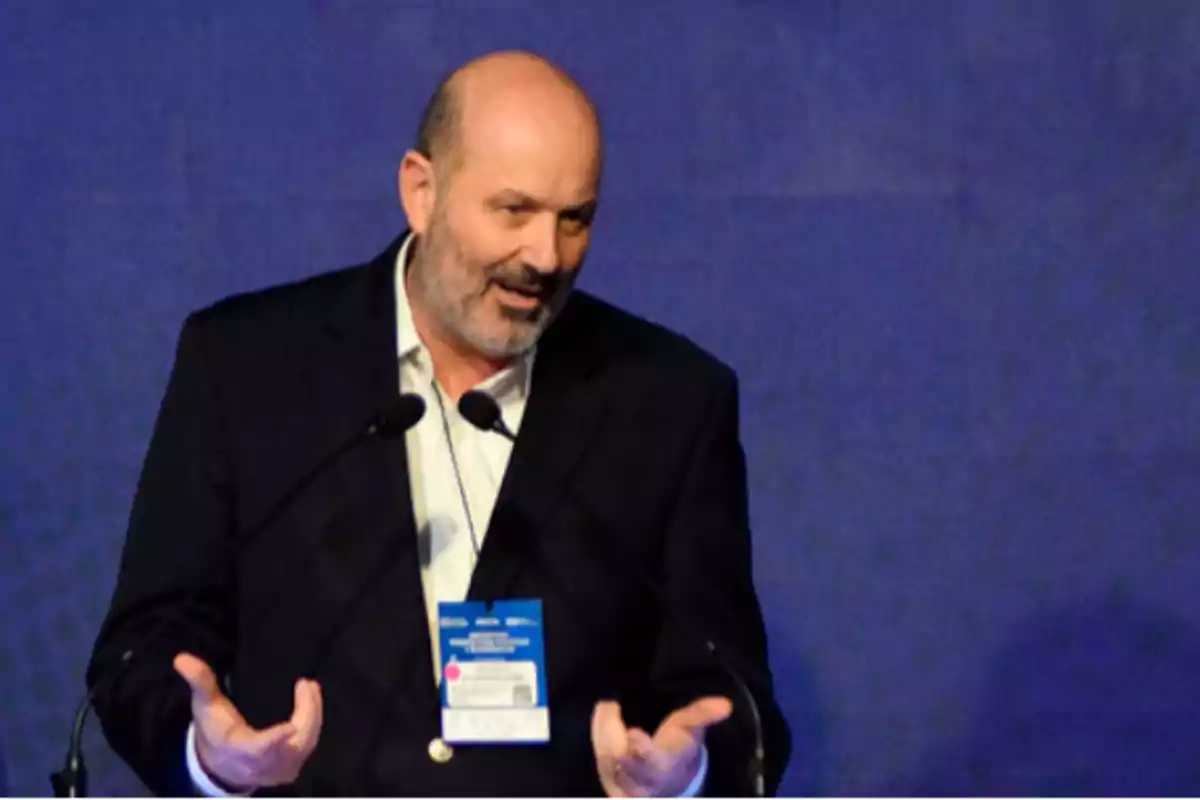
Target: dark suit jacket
628,447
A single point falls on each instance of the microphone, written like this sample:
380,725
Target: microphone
481,411
397,418
392,421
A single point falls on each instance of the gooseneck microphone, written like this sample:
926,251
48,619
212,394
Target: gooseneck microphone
392,421
481,410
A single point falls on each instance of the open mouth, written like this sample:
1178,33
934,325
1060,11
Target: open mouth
520,296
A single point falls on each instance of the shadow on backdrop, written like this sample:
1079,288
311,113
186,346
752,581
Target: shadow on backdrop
1099,700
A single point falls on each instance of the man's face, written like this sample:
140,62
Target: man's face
508,233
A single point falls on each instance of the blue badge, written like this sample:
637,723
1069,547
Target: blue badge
493,673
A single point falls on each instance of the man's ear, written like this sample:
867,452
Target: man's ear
417,185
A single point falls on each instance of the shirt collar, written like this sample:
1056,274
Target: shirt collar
512,381
407,340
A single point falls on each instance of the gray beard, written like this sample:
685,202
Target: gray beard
454,317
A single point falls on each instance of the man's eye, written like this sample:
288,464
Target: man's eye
514,208
576,220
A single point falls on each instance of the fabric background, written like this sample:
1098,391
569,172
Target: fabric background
952,248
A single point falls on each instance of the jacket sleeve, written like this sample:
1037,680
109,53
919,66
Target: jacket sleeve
708,580
175,580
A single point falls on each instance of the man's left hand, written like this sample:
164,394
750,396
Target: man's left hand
632,763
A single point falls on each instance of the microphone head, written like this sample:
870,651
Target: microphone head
401,415
479,409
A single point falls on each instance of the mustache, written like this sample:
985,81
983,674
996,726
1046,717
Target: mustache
525,278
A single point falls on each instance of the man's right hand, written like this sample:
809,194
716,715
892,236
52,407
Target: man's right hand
236,755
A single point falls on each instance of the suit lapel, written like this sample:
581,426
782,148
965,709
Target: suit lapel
562,415
355,375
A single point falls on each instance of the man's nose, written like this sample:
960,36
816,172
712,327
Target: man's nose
542,250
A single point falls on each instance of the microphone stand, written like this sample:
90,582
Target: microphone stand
406,411
72,780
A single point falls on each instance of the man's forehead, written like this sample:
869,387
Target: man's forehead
530,139
552,179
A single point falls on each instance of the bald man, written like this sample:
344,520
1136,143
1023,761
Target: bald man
279,624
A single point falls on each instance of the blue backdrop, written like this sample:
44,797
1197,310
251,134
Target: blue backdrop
951,247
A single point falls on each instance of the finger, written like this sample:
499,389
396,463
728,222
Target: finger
609,743
307,717
609,736
199,676
701,714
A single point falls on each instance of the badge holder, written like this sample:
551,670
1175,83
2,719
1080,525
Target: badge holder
493,673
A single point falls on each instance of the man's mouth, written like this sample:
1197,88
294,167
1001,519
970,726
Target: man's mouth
520,295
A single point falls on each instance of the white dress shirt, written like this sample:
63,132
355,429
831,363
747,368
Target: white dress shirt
454,472
454,469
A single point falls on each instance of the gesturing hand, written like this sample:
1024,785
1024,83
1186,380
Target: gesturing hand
233,753
631,763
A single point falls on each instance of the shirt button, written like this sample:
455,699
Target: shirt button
439,751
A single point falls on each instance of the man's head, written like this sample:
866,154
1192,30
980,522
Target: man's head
500,192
